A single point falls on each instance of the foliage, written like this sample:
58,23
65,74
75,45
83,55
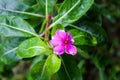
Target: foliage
27,26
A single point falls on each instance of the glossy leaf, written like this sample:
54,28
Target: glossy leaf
92,29
69,13
32,47
8,51
17,8
43,70
11,26
82,38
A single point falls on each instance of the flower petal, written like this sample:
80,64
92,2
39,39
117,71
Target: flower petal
70,49
69,37
61,33
55,42
59,49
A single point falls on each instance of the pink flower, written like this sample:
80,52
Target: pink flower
63,42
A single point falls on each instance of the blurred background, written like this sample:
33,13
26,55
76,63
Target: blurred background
109,56
106,66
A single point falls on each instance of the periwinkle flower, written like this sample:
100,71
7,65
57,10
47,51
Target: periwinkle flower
63,42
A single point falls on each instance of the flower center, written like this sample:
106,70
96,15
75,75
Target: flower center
66,42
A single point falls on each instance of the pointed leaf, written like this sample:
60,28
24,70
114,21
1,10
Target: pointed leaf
82,38
92,29
72,12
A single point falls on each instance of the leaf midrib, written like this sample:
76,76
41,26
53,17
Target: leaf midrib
21,12
38,47
13,49
22,30
78,36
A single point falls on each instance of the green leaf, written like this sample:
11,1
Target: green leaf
83,38
72,12
8,51
32,47
11,26
46,6
43,70
16,8
93,30
69,69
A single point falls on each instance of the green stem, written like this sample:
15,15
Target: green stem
43,26
65,68
57,21
46,9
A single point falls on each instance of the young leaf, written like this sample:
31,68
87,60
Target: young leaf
69,13
32,47
43,70
11,26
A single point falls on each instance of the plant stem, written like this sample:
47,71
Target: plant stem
65,68
42,26
47,26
